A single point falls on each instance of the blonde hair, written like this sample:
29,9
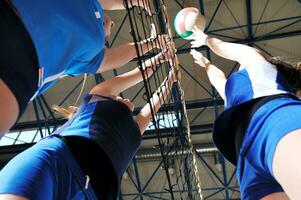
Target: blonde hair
66,113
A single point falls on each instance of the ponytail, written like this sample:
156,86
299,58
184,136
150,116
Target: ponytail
66,113
292,74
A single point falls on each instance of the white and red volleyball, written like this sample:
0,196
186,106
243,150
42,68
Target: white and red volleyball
185,21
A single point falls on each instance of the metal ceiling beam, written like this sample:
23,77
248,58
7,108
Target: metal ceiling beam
198,104
212,17
249,22
255,24
190,105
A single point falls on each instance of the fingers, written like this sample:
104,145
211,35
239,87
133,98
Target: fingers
196,29
199,58
194,44
143,4
148,7
199,38
165,39
118,98
162,41
167,54
173,75
192,52
198,32
171,53
197,43
153,31
196,54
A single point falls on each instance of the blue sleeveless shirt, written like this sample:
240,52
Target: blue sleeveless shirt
268,125
68,36
253,82
111,125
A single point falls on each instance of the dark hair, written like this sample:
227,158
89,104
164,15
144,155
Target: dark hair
292,74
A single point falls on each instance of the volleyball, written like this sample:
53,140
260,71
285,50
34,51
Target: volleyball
185,21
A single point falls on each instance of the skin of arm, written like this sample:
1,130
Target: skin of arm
144,116
116,57
12,197
119,4
112,4
232,51
118,84
217,79
215,75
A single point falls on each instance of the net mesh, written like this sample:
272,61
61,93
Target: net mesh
171,124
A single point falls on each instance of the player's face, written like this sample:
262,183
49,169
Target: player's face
108,24
127,102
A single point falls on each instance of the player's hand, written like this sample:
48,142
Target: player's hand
173,75
198,38
162,41
169,52
158,41
144,4
165,55
199,58
157,60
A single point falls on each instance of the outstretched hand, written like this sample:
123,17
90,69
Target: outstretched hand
167,54
198,38
158,41
173,74
144,4
199,58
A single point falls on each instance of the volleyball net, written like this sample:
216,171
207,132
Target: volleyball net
171,123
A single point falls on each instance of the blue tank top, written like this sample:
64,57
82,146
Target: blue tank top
111,125
68,35
254,82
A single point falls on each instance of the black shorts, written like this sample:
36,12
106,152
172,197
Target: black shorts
18,58
94,162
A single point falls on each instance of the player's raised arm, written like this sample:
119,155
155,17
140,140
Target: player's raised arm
232,51
145,115
215,75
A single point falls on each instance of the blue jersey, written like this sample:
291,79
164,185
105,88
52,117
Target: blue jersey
49,170
111,125
253,82
68,35
269,124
